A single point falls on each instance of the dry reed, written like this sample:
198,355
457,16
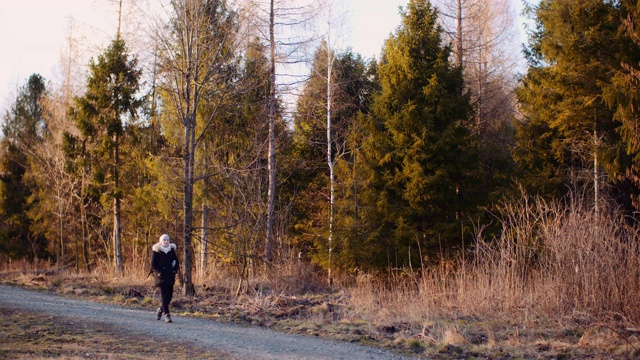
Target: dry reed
552,260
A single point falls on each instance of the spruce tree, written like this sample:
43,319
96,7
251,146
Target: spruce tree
101,115
23,128
421,156
24,125
623,96
569,137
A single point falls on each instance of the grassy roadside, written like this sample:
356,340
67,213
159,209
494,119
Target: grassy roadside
324,314
31,335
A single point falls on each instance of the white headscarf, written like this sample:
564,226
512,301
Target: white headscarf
159,247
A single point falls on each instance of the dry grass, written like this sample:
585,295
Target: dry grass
558,275
560,282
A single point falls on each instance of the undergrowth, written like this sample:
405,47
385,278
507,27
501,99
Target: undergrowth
560,280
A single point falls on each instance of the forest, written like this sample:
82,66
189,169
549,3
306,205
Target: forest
437,167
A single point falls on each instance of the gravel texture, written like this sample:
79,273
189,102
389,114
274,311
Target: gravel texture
241,342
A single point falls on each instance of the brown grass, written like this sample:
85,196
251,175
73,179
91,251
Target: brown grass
550,261
556,268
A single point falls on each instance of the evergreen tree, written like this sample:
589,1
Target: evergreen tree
421,156
14,195
623,95
101,114
24,124
24,127
569,134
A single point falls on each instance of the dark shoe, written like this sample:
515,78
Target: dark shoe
167,318
159,313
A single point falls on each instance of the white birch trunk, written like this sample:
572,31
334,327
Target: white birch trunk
329,156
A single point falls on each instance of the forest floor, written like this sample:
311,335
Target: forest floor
324,315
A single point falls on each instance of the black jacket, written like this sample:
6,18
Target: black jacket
164,266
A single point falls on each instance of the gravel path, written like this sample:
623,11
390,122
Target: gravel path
239,341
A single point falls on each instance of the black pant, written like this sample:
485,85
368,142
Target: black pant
166,292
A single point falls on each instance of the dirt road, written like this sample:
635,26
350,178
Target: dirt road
240,342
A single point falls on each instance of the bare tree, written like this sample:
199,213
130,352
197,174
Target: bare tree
196,51
483,34
330,7
284,25
271,162
58,197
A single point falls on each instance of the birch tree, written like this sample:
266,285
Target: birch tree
333,21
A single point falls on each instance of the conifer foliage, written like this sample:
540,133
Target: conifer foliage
101,115
419,149
23,128
570,137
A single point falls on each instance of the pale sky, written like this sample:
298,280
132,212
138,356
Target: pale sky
33,34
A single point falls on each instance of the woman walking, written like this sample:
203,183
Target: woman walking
165,266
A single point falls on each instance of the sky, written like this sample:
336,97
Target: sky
33,34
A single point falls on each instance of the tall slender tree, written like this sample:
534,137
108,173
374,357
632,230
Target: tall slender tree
100,114
282,25
197,56
351,92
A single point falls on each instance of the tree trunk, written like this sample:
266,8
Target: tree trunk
117,228
117,244
204,241
596,187
77,254
85,226
204,244
329,159
272,140
459,55
189,131
61,226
